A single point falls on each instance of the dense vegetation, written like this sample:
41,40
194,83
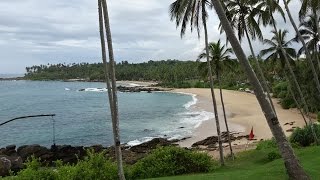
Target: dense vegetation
264,162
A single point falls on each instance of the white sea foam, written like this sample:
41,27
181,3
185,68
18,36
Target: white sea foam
142,140
133,84
195,118
95,89
192,102
67,89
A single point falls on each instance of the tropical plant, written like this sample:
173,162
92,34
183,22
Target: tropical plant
309,31
195,12
110,76
294,169
276,44
306,4
218,54
242,16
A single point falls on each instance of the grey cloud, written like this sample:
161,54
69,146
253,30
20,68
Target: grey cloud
37,31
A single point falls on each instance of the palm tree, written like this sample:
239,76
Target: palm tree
241,14
294,169
275,53
272,6
218,54
275,50
195,12
309,31
308,55
110,75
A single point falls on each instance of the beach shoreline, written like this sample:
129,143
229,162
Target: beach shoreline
243,113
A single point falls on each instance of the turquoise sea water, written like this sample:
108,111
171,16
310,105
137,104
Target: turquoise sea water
83,118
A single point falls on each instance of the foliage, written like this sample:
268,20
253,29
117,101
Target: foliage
303,136
273,155
253,165
267,144
169,161
95,166
318,116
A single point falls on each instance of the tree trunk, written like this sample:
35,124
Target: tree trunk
214,102
295,81
294,98
115,114
308,55
294,169
318,30
264,81
224,113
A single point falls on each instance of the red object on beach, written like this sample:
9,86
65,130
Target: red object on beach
251,135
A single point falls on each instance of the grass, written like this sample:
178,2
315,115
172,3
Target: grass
254,164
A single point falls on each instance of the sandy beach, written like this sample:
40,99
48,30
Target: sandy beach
243,113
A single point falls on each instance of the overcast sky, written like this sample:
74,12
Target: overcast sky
36,32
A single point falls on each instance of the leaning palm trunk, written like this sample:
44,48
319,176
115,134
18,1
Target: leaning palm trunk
110,73
295,81
294,98
264,81
318,30
294,169
309,57
224,114
214,102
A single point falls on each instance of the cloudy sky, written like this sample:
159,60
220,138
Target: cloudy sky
36,32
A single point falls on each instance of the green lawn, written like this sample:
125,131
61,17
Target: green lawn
255,165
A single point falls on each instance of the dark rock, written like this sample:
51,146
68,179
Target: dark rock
154,143
290,130
36,150
5,166
208,141
181,127
11,147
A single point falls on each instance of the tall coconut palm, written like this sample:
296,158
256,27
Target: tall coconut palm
308,54
294,169
309,31
242,16
217,54
195,13
275,53
269,18
110,75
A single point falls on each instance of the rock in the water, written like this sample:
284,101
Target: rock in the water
5,166
36,150
147,146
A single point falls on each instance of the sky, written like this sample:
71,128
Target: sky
34,32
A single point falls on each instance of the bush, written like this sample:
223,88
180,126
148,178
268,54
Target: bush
280,89
304,136
287,103
318,116
169,161
267,144
95,166
273,155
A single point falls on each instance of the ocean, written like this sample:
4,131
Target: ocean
83,117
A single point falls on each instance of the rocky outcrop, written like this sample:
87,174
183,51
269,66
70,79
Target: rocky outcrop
12,158
150,145
5,166
213,140
140,89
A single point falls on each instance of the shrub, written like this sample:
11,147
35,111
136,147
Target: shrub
287,103
273,155
318,116
94,166
33,170
267,144
304,136
169,161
